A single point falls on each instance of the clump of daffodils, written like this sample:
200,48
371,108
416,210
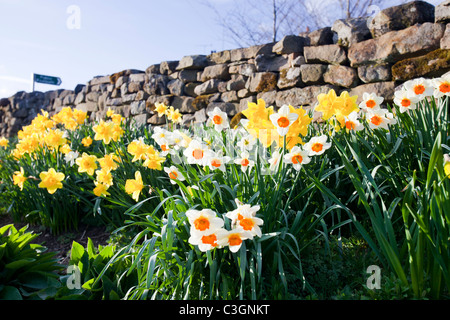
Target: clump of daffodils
207,229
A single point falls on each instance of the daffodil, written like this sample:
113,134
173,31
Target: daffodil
19,178
345,105
297,157
259,124
70,157
206,240
195,153
274,161
174,115
86,141
87,163
420,88
104,131
217,161
174,174
3,142
380,118
51,180
317,145
55,138
109,162
79,115
244,161
246,142
283,119
154,161
326,104
109,112
405,99
233,238
352,122
100,189
244,216
441,86
161,109
104,177
219,119
134,186
138,149
370,101
204,221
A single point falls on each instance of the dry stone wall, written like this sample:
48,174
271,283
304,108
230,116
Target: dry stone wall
370,54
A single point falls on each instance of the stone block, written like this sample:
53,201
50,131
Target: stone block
401,17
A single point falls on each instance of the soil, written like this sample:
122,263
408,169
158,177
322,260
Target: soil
62,243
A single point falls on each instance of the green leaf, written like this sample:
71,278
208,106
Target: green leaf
76,252
19,263
10,293
88,285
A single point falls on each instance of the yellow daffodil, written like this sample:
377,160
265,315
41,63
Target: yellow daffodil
259,124
134,186
3,142
174,115
87,141
161,109
446,165
109,162
100,189
55,138
154,161
104,131
79,115
138,149
104,177
87,163
51,180
19,178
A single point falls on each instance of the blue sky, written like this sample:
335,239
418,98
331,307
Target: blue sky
112,36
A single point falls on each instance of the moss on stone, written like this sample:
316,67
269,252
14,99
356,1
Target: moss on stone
201,102
433,63
268,82
236,119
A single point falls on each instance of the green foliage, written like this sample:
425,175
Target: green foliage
27,272
85,265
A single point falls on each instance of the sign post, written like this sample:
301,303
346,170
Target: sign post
40,78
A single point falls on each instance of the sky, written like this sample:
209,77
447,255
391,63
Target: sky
78,40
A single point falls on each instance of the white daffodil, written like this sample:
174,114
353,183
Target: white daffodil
405,99
219,119
174,174
441,86
297,157
216,161
196,152
352,122
419,88
317,145
283,119
233,238
244,161
381,118
246,143
370,101
70,157
204,221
